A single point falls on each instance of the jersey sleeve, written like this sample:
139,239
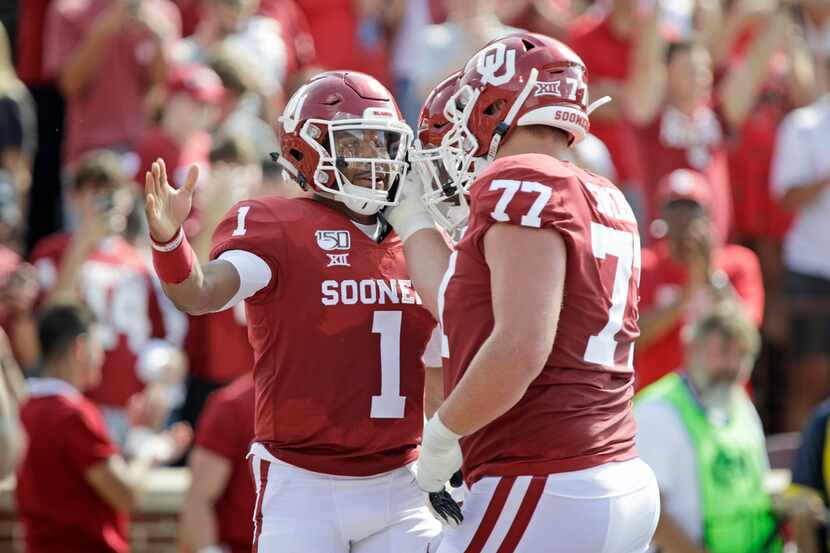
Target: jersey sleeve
251,227
86,441
523,197
218,428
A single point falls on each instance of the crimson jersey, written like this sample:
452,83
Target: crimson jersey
226,428
577,413
217,345
116,285
338,336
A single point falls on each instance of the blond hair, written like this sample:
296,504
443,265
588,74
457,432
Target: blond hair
10,84
729,320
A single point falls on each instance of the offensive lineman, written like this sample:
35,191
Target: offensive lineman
337,329
538,305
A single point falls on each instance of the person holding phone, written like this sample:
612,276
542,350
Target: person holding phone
95,265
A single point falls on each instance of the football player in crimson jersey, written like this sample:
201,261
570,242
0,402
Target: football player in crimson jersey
538,305
337,330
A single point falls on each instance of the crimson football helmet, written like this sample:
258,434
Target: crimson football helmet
519,80
433,161
345,122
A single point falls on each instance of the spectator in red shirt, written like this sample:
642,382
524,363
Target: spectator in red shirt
686,273
346,36
74,490
623,49
181,138
217,511
96,266
689,126
106,55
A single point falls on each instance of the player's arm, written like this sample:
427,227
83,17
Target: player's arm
527,291
434,382
192,287
427,257
434,390
427,252
210,474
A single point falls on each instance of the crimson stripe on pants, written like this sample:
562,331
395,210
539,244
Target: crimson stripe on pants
524,514
263,481
491,515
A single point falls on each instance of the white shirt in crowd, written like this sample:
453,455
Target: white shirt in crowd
665,445
801,159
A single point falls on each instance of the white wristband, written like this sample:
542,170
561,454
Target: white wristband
171,245
438,436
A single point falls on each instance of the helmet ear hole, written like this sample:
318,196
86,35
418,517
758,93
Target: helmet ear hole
494,108
528,45
296,154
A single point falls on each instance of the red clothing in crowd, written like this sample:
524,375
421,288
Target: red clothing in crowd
608,58
116,285
217,345
296,33
675,140
757,212
156,143
660,284
30,39
109,112
60,510
226,428
337,39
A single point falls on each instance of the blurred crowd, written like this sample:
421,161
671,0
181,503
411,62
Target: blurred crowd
716,134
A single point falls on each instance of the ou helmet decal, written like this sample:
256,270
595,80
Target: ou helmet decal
493,59
291,116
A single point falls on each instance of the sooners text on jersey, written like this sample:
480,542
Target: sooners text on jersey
338,336
577,413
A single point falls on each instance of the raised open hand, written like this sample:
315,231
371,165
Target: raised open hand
166,207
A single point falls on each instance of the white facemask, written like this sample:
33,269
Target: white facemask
369,206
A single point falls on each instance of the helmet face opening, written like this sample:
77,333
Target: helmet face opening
361,160
342,136
442,197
